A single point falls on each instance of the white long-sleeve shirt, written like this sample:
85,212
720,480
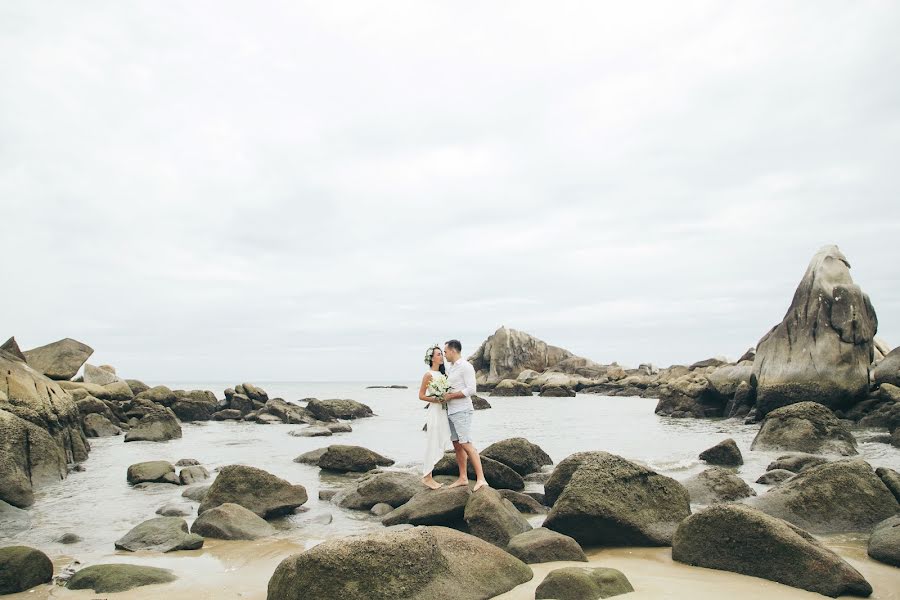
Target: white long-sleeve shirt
461,376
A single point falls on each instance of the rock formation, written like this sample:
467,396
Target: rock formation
59,360
822,349
508,352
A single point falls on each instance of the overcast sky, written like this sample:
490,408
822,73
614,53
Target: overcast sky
317,191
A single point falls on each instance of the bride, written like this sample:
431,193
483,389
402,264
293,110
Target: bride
437,426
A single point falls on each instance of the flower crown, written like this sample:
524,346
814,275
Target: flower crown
430,353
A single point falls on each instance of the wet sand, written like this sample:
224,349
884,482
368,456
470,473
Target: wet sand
241,570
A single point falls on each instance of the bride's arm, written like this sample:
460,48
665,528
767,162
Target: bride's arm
425,381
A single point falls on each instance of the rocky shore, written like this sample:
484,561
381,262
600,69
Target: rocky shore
810,381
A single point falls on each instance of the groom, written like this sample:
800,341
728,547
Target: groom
461,376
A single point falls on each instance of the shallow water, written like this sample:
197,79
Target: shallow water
100,506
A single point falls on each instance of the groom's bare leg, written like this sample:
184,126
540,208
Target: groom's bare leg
472,454
461,463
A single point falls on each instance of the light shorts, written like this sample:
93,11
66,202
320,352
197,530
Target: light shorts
461,426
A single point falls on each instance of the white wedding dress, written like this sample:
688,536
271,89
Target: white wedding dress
437,436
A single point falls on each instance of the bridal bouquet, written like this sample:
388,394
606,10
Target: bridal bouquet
439,386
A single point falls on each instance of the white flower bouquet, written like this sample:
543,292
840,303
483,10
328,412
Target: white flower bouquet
438,386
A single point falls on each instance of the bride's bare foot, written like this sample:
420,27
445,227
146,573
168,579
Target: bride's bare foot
480,484
431,483
459,483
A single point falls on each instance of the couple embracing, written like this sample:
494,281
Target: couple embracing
448,387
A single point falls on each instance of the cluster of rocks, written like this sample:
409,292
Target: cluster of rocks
823,351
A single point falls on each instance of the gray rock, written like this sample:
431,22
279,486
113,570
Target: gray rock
884,543
312,457
196,492
796,462
523,502
287,412
888,370
311,431
732,537
137,386
157,471
844,495
175,510
59,360
583,583
13,520
498,475
805,427
609,501
330,410
492,518
557,391
444,506
716,484
339,427
511,387
381,509
327,495
231,522
160,534
519,454
107,579
822,349
423,563
187,462
254,489
191,475
69,538
479,403
100,376
544,545
159,394
228,414
891,480
724,453
97,426
157,425
775,476
344,459
22,568
391,487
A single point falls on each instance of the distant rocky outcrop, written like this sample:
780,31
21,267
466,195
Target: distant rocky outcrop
823,348
40,430
59,360
508,352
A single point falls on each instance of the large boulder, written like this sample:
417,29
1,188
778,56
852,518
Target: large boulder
97,426
609,501
158,424
109,579
796,462
543,545
231,522
511,387
519,454
287,412
390,487
844,495
254,489
524,502
884,543
22,568
160,534
346,459
716,484
822,349
59,360
506,353
192,474
444,506
583,583
888,370
157,471
891,480
496,473
493,518
329,410
423,563
732,537
312,457
724,453
159,394
725,380
40,431
805,427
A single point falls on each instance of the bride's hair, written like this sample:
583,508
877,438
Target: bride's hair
429,358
